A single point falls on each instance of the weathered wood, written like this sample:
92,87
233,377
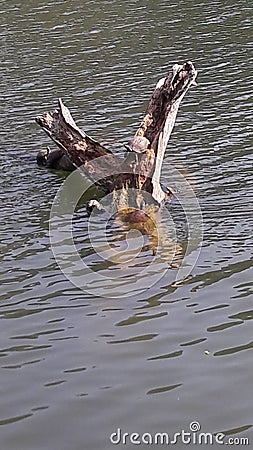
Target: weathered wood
141,168
82,150
157,125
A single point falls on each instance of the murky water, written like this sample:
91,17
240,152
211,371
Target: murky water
74,367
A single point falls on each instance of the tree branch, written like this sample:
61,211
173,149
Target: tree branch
141,168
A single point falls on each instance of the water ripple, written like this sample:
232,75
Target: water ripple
104,58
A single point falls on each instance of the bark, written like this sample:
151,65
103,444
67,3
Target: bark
141,168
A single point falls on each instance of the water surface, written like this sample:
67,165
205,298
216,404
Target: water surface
75,367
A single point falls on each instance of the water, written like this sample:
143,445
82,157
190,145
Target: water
74,367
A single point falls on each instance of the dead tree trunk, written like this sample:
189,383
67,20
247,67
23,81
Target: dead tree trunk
141,168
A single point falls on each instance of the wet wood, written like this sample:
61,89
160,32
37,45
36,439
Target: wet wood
54,159
82,150
141,168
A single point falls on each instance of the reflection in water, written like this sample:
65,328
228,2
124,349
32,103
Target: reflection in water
162,239
155,239
113,266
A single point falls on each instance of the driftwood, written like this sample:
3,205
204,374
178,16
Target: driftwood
140,169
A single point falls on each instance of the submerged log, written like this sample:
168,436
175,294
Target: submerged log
55,159
141,167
